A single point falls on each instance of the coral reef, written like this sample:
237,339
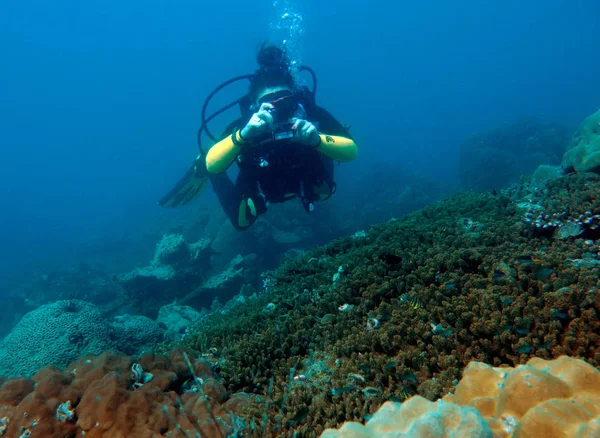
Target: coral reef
550,398
514,150
415,301
81,282
417,418
222,285
135,334
395,192
177,319
110,396
583,154
556,398
54,334
396,310
174,270
58,333
544,174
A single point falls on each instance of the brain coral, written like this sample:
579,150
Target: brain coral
552,399
583,154
54,334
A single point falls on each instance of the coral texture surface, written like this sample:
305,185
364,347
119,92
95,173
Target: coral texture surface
583,154
402,308
552,399
110,396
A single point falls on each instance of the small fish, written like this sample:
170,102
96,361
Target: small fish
419,362
299,416
344,390
354,376
446,332
364,368
451,285
373,324
411,300
408,376
526,259
390,365
525,349
370,391
543,274
558,315
498,276
507,300
522,331
440,330
385,316
405,392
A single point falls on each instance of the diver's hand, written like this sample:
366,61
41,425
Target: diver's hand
306,133
259,123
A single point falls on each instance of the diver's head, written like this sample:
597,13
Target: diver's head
273,82
273,76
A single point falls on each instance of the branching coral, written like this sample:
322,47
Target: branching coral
441,295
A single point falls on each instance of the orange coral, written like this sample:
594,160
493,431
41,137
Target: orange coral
98,397
556,398
552,399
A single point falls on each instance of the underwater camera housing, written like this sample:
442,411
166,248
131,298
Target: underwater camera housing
283,131
284,111
243,103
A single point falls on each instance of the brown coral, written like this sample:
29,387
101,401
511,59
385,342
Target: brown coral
501,296
97,397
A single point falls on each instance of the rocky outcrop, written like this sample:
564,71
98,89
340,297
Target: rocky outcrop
177,319
583,154
494,159
176,268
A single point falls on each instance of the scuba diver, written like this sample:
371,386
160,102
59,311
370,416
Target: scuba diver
283,143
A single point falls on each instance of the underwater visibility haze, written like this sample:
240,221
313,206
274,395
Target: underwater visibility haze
442,242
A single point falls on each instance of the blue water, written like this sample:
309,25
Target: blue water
100,100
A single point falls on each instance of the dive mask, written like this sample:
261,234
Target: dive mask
286,108
285,104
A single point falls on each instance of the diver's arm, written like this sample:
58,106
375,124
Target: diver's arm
222,154
337,148
338,145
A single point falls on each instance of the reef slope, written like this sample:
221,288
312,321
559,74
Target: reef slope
403,307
